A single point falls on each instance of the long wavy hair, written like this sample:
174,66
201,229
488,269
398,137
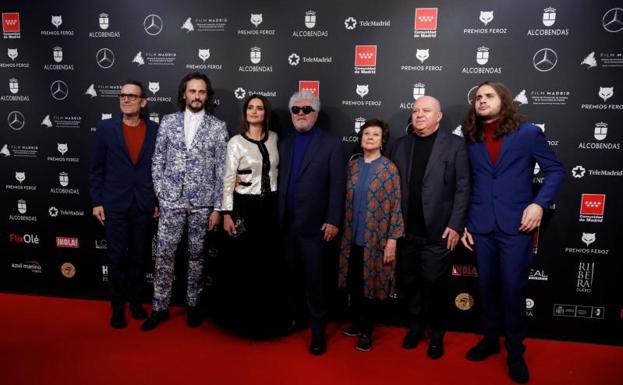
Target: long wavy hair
510,118
181,102
244,123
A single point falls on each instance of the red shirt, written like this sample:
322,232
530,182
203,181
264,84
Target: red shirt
134,138
493,145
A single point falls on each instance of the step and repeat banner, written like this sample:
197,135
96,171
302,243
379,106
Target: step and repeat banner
62,64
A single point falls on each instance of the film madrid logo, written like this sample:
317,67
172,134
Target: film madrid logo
365,59
11,25
204,24
592,207
425,25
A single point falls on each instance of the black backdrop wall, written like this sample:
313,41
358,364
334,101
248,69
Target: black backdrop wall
62,64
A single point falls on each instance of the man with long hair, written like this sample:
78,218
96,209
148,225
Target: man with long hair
188,168
503,215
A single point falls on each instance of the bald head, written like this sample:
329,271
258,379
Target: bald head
426,115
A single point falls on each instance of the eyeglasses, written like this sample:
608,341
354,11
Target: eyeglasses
130,97
305,109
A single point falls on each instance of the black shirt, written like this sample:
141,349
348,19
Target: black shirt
422,147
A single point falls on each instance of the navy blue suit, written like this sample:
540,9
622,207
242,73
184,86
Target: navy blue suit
500,193
126,192
319,198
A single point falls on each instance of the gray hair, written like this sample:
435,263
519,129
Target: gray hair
305,95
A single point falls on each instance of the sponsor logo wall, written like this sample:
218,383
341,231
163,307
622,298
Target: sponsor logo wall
61,69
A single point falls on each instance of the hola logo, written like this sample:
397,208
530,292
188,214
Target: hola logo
312,86
593,204
426,19
365,56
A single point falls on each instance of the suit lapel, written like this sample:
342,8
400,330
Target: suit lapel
311,150
120,138
437,150
201,131
506,145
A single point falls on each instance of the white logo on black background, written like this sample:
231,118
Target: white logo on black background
578,171
13,86
362,90
63,179
255,55
12,53
482,55
59,90
188,25
240,93
57,54
521,98
22,208
105,58
57,21
91,91
590,60
606,92
310,19
589,238
419,90
138,59
154,87
103,20
350,23
203,54
256,19
53,211
20,176
422,54
294,59
46,122
62,148
16,120
601,131
545,59
106,116
613,20
486,17
549,16
153,24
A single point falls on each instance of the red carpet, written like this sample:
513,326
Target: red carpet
46,341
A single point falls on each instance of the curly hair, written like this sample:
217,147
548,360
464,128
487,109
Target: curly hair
510,118
181,102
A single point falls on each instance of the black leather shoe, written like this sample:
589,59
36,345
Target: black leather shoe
154,320
117,320
518,370
411,340
364,344
137,311
435,346
483,349
193,317
318,345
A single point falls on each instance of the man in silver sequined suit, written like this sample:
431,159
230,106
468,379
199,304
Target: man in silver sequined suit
188,166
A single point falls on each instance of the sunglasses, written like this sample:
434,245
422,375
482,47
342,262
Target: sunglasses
306,109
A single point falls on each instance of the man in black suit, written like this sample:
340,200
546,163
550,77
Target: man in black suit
312,179
434,176
122,194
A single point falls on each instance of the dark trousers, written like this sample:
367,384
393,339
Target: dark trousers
422,268
362,308
305,256
503,269
128,236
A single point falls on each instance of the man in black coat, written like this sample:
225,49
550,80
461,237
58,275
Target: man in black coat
434,176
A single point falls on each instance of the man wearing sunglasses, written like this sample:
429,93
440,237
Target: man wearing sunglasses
122,194
312,177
